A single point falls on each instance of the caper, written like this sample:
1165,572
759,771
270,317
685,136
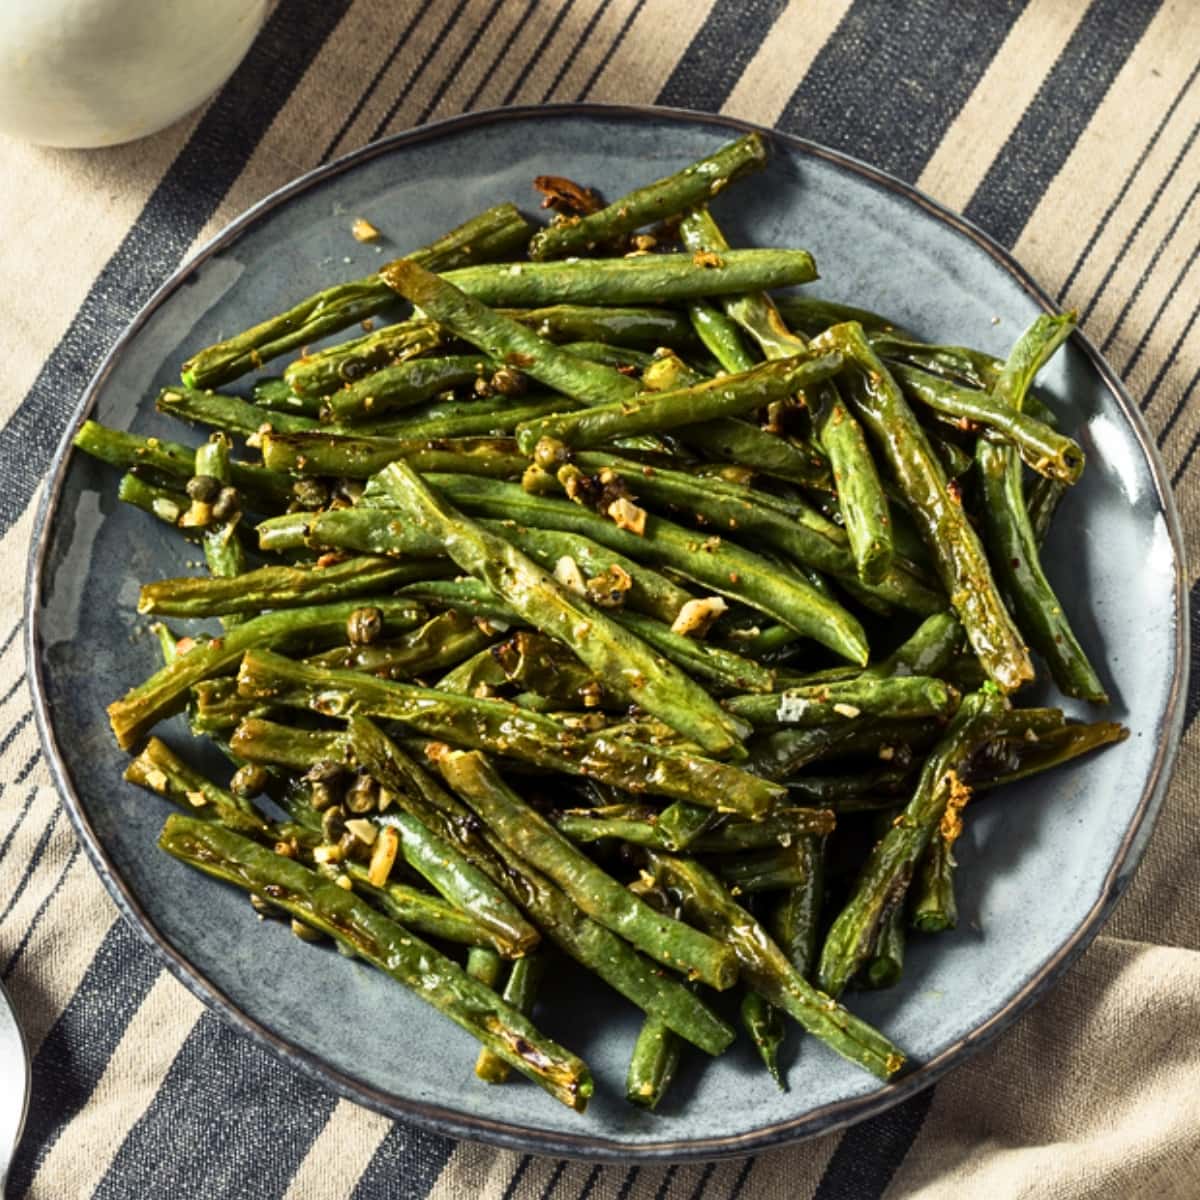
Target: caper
227,504
363,626
509,382
351,847
362,796
327,770
249,780
333,823
204,488
549,453
321,795
310,493
537,481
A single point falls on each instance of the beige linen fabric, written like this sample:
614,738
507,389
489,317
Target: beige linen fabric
1095,1093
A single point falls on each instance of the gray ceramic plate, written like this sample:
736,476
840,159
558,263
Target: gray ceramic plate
1071,839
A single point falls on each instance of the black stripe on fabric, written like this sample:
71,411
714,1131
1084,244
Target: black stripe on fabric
17,726
502,53
613,47
664,1186
1192,706
177,210
1146,273
405,1164
871,1152
16,825
890,81
12,691
1131,237
627,1183
517,1176
590,1183
1151,327
75,1052
465,53
552,1182
369,90
1134,171
1186,461
19,949
740,1181
214,1127
538,50
32,865
711,66
703,1181
1180,404
584,37
430,52
8,641
30,763
1049,128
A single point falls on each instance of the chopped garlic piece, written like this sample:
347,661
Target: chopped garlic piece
364,231
627,515
567,572
847,710
696,616
365,831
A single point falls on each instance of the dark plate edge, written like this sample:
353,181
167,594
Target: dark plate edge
455,1124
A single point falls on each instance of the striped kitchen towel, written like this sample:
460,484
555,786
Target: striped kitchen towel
1066,129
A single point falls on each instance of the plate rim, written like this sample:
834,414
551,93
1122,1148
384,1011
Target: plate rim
590,1146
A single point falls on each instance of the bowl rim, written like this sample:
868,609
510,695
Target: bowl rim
448,1121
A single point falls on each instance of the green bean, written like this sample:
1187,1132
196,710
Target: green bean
934,908
161,694
781,754
719,334
961,363
421,912
167,504
645,279
507,340
520,991
533,838
264,489
279,587
764,1023
273,391
484,965
443,641
229,413
390,947
768,971
628,328
402,385
501,727
455,878
883,880
653,1063
625,663
861,497
160,770
886,964
316,375
768,870
1041,504
790,526
1010,534
720,565
267,742
961,562
1043,449
812,316
831,703
654,412
590,943
693,185
1051,748
781,826
223,549
794,921
493,234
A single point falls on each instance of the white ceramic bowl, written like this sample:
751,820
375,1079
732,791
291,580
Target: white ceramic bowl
97,72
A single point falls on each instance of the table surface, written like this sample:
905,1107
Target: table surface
1066,130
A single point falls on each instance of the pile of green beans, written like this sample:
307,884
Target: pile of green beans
602,606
